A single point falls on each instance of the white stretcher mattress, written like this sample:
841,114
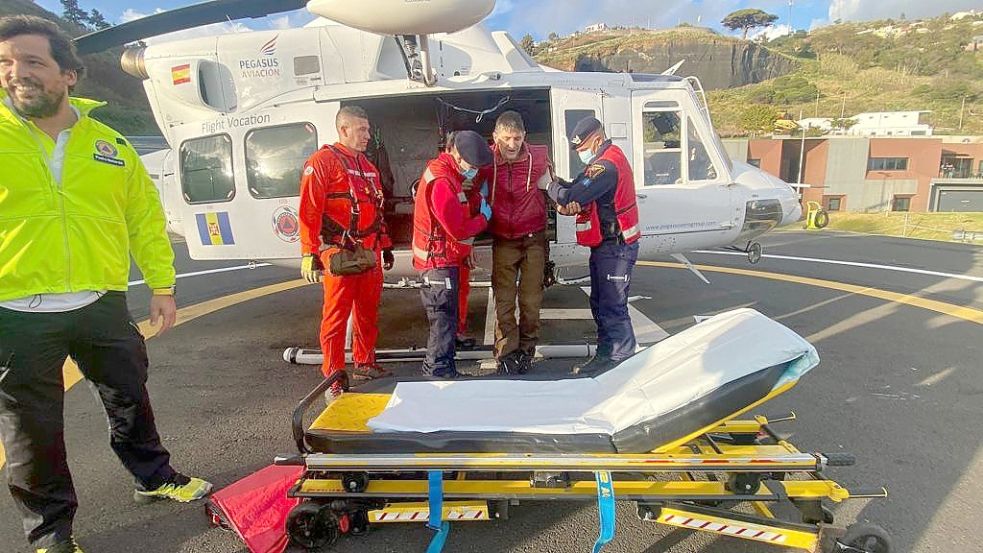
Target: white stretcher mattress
666,376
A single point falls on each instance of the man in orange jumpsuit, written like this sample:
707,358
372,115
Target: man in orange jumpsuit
341,205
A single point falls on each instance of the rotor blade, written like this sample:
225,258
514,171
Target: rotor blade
182,18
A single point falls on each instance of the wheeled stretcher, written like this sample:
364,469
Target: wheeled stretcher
665,430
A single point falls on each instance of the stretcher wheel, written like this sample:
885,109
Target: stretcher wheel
312,526
864,538
355,482
744,483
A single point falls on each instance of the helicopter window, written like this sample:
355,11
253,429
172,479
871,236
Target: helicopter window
700,165
206,169
570,119
275,157
662,132
305,65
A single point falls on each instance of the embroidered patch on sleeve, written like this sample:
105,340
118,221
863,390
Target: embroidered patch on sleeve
594,171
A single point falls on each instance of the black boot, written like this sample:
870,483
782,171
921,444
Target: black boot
596,365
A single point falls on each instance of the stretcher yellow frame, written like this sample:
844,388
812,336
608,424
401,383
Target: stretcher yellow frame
694,482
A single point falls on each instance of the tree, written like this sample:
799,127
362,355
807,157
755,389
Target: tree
757,118
74,13
748,19
98,20
553,36
527,43
843,123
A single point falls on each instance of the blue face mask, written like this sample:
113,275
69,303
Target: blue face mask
469,174
586,156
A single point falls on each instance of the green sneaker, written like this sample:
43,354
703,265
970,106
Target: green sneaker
64,547
182,489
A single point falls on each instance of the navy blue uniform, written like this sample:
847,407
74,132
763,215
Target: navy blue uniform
611,262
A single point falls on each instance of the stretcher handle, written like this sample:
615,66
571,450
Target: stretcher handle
297,423
840,459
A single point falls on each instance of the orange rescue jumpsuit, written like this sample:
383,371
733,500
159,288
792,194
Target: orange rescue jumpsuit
331,178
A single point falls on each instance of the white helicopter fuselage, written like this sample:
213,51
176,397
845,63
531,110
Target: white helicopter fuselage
242,112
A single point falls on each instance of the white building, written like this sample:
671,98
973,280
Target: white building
595,27
882,123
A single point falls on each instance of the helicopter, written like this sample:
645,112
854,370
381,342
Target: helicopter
243,111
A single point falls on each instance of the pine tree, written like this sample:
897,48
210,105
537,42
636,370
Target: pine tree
98,20
74,13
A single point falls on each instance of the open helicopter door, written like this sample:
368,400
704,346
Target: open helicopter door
682,179
241,182
570,106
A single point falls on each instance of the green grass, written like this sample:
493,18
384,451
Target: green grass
928,226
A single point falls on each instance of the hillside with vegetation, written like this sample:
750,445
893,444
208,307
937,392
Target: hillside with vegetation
833,71
127,110
719,61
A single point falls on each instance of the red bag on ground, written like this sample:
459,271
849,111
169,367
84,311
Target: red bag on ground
256,507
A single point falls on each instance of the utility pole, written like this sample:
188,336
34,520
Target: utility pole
790,30
802,147
961,109
817,103
843,106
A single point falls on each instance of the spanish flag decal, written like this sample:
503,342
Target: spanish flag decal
181,74
214,228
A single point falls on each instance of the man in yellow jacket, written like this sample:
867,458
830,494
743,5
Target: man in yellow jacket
75,203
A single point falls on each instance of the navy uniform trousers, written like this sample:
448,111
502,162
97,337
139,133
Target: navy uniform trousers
611,265
110,352
439,295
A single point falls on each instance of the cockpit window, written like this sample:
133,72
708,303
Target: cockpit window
275,157
700,165
570,119
206,169
662,147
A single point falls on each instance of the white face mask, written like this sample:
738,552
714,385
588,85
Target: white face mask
586,156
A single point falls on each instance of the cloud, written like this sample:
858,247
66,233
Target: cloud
280,22
129,14
770,32
884,9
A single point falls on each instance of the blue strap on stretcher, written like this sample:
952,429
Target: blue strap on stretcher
435,502
605,508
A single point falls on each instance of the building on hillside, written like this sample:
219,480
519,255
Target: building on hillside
881,123
596,28
976,45
873,174
963,15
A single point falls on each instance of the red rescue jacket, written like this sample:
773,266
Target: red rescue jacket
443,227
519,206
589,232
340,190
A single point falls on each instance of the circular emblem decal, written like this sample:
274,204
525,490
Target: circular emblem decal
308,170
285,224
105,148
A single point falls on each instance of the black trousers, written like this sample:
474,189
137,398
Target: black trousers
110,352
439,297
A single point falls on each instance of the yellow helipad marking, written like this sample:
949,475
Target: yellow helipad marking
958,311
71,371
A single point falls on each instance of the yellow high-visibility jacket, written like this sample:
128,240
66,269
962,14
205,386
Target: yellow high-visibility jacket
77,235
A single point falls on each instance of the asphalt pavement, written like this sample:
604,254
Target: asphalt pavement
900,386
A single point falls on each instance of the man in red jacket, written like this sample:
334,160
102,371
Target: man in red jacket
515,183
341,206
443,233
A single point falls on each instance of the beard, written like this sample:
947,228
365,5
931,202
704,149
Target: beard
41,105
